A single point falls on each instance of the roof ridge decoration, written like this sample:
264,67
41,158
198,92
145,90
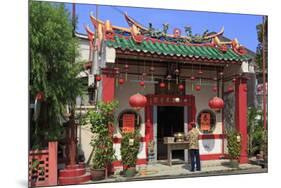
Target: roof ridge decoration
139,33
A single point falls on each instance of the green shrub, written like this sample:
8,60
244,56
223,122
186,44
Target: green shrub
233,145
100,119
129,151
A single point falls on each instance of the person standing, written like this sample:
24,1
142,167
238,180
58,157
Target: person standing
192,137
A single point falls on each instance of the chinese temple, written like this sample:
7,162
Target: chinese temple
163,81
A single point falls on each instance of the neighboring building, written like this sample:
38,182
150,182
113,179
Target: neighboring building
178,74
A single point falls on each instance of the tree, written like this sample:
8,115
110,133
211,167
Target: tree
261,32
53,69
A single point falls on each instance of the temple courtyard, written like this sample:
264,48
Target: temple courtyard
161,170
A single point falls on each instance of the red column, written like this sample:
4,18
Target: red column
53,163
148,125
108,86
241,111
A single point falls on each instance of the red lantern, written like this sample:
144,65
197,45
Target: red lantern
215,88
162,85
230,89
141,83
197,87
216,103
98,78
40,96
181,87
121,81
126,67
137,101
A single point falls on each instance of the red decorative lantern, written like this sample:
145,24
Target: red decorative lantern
216,103
98,78
121,81
181,87
215,88
137,101
141,83
230,89
162,85
126,67
40,96
192,78
197,87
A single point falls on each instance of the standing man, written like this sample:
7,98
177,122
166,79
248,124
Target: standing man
192,137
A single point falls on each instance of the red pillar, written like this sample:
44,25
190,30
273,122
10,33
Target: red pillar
148,125
108,86
53,163
241,111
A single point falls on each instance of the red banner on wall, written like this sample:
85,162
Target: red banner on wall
128,123
205,121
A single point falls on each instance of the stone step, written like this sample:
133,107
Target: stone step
72,172
75,180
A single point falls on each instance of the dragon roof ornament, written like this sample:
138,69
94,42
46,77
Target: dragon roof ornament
107,31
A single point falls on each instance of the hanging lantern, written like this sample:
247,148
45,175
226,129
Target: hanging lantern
117,72
121,81
181,87
137,101
169,77
197,87
141,83
98,78
200,72
215,88
230,88
216,103
126,67
162,85
192,78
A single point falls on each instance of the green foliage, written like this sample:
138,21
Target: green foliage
261,32
256,131
53,69
129,151
100,119
233,145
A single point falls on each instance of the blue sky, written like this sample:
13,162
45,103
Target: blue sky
240,26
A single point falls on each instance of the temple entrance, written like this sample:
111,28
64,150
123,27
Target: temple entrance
170,120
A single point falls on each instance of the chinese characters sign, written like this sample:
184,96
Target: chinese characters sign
128,123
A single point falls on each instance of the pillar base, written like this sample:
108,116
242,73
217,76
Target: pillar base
243,159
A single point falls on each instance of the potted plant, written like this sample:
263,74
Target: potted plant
130,145
101,119
234,147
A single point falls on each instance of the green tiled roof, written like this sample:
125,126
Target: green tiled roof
205,52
